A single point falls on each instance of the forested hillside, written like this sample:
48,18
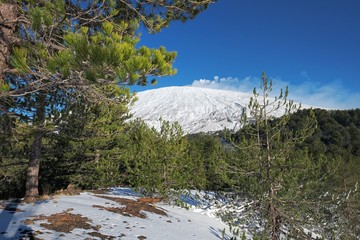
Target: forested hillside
319,180
67,76
157,161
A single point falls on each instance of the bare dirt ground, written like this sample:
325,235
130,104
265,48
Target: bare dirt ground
133,208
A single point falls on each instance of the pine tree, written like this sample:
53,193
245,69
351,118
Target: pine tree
88,142
273,176
56,51
156,160
210,156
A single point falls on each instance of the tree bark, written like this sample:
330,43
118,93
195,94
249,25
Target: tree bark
274,216
8,15
32,176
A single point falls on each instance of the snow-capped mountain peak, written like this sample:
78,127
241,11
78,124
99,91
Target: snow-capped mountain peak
196,109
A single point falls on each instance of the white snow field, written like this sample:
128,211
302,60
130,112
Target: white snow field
195,109
20,220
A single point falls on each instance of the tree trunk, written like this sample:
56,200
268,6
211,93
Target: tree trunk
32,177
8,16
274,216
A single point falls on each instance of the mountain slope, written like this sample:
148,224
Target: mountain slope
196,109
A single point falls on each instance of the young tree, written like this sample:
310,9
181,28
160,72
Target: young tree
210,156
276,177
157,160
58,50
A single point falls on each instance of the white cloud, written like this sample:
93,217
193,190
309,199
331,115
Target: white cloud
229,83
331,95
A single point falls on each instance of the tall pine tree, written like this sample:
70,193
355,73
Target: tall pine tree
274,178
59,50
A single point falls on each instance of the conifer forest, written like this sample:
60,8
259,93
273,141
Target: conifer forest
66,68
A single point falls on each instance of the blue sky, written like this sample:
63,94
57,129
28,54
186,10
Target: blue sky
311,46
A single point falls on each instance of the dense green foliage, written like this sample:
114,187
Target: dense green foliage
59,52
210,155
276,179
335,143
326,165
74,43
95,152
64,103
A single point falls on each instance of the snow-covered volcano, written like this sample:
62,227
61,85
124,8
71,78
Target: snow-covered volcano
196,109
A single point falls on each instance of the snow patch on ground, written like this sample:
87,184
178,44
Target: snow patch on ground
225,207
178,224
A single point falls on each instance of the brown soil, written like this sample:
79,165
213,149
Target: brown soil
149,200
101,236
35,199
66,222
70,190
131,207
63,222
